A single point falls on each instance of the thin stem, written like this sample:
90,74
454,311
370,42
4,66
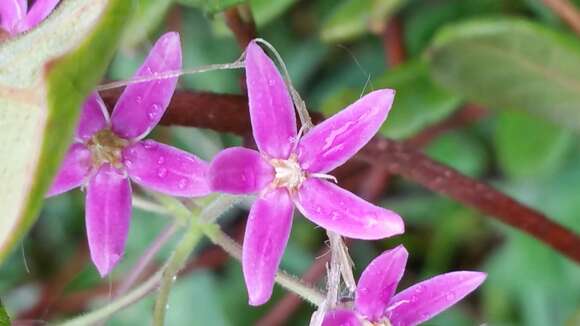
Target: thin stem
567,12
229,245
148,205
219,206
117,305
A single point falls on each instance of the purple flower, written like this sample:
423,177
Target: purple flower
374,303
108,151
16,18
290,171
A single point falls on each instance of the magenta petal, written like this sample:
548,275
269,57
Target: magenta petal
38,12
73,170
338,210
341,317
335,140
239,170
379,281
271,108
166,169
108,213
11,13
93,117
424,300
142,105
267,233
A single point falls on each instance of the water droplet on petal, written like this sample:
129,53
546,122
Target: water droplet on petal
182,184
139,99
162,172
128,163
271,82
450,296
161,160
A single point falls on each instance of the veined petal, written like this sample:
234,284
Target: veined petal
38,12
94,117
424,300
271,108
11,13
335,140
239,170
378,283
142,105
267,233
340,211
166,169
73,170
108,213
341,317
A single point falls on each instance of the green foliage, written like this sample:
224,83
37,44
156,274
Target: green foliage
147,16
210,6
509,63
418,102
41,100
4,319
460,151
530,147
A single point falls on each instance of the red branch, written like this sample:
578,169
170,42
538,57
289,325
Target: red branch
229,113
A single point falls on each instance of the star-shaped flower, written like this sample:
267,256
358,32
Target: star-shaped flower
108,151
16,18
289,170
375,305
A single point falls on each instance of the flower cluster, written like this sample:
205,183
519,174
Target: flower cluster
290,169
15,17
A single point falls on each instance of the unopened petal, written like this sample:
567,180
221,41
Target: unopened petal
335,140
108,213
142,104
379,281
271,108
239,170
73,170
428,298
340,211
166,169
38,12
341,317
93,117
267,233
12,12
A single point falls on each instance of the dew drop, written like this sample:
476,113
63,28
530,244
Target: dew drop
162,172
161,160
450,296
128,163
139,99
271,82
182,184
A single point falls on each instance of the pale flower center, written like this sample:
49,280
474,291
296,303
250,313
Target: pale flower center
106,147
289,174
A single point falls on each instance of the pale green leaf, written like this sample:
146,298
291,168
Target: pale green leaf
4,319
510,63
148,15
265,11
40,95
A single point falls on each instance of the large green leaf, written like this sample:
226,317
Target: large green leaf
511,63
352,18
418,102
148,15
528,146
4,319
40,94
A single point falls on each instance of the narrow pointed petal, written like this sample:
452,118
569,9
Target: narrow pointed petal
335,140
142,105
37,13
239,170
166,169
267,233
11,13
341,317
340,211
426,299
94,117
73,170
271,108
108,213
379,281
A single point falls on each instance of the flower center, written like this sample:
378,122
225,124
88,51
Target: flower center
106,147
288,173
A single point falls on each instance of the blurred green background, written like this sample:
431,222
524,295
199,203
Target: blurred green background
514,59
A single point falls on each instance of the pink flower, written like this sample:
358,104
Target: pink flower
290,171
16,18
374,303
108,151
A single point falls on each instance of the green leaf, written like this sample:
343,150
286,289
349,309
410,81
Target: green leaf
4,319
40,98
460,151
352,18
418,102
511,64
148,15
528,146
265,11
211,6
